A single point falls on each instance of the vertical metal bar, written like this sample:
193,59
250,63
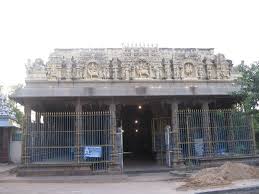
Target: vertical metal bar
188,134
62,138
79,126
49,139
53,145
91,134
54,139
253,135
46,136
67,151
102,142
107,132
58,132
70,128
50,131
100,137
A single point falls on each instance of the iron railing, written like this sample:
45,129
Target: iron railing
77,138
91,138
215,133
204,135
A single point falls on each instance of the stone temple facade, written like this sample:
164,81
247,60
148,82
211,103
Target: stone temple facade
187,75
128,63
160,80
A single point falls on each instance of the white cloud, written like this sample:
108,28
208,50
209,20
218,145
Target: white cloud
33,28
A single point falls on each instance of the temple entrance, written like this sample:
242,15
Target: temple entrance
137,138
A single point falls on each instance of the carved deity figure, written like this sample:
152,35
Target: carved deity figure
210,71
188,69
91,71
51,72
211,68
115,72
132,72
28,67
38,64
176,74
167,71
115,68
64,69
224,67
181,73
36,70
156,70
200,72
73,69
106,73
126,71
142,69
225,70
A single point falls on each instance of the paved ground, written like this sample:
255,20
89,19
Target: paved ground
89,188
140,184
159,187
151,183
146,177
4,167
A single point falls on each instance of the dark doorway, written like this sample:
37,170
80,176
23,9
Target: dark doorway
137,136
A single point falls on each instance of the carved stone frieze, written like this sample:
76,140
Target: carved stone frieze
36,70
131,63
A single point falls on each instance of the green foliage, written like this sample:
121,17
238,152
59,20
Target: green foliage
11,105
249,82
16,111
249,93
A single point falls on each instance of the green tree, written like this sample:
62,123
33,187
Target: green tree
11,106
249,83
249,92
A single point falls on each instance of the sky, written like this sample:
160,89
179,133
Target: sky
32,29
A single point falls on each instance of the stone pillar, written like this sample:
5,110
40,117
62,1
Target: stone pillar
26,133
206,128
168,145
115,163
155,132
176,152
78,110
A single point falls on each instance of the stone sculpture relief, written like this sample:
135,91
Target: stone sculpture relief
36,70
91,71
143,70
189,69
129,64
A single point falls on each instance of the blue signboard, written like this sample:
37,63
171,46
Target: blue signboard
93,152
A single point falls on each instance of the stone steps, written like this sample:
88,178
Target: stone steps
54,171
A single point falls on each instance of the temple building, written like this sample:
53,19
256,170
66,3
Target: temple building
10,134
105,109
